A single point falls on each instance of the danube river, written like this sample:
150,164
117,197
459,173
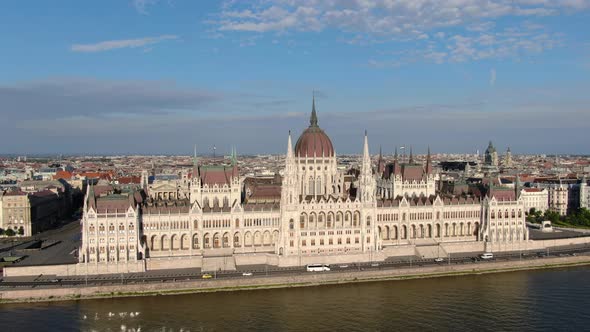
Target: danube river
530,300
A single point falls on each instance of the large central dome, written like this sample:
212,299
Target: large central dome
313,142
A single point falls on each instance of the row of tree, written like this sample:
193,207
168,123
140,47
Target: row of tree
12,232
580,217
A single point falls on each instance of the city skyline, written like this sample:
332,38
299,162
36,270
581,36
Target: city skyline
159,76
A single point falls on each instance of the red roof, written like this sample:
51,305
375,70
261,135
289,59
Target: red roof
44,193
62,175
313,142
15,193
129,179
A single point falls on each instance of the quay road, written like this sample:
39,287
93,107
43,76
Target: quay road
180,275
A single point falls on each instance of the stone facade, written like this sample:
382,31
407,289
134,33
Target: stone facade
28,213
535,198
316,211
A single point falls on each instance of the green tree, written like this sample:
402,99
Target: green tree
10,232
1,231
21,231
551,216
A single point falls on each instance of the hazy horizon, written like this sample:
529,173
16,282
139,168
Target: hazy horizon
157,77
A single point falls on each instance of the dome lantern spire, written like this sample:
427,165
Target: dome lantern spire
313,120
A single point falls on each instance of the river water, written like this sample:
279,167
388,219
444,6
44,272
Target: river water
547,300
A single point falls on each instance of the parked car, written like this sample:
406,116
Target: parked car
247,274
439,259
343,266
487,255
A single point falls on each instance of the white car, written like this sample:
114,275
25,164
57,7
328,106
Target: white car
487,255
343,266
439,259
247,274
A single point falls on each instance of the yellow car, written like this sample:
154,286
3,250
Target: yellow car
206,276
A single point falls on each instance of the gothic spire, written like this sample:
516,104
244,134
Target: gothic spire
395,155
380,162
313,121
195,156
366,148
411,161
233,156
289,147
428,162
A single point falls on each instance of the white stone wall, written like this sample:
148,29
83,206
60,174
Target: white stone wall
539,200
503,222
188,234
110,237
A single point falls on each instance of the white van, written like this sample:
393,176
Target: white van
487,255
318,267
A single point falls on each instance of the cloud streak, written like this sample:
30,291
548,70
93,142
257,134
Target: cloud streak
440,31
122,43
104,116
66,97
395,18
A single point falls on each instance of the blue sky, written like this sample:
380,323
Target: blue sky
158,76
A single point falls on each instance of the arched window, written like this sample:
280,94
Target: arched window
368,220
291,224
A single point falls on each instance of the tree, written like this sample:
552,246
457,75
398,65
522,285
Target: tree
551,216
21,231
10,232
1,231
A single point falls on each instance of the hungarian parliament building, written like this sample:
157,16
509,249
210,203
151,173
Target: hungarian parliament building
315,212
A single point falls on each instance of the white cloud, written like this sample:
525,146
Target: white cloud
142,5
440,31
395,18
123,43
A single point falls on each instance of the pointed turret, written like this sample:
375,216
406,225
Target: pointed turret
366,180
517,186
289,147
234,162
195,164
366,155
313,120
396,163
428,162
233,156
90,197
411,161
380,163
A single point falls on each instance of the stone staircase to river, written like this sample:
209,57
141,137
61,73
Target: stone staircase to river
429,249
219,260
